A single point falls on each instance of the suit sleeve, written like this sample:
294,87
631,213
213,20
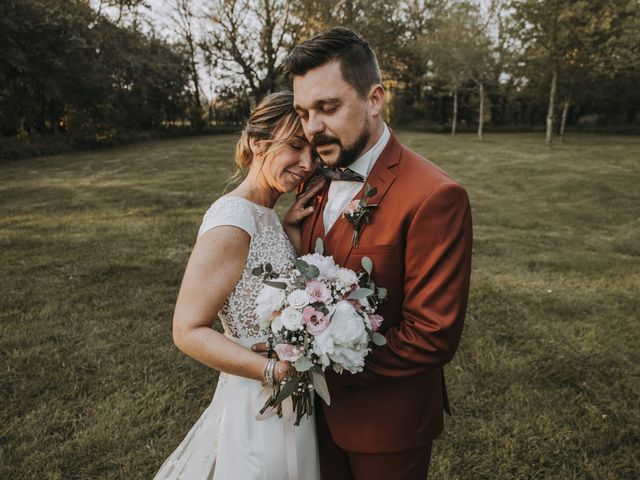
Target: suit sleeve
436,290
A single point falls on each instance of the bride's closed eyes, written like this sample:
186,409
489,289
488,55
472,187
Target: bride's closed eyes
298,143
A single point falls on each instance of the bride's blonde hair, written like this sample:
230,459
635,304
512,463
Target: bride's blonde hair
274,115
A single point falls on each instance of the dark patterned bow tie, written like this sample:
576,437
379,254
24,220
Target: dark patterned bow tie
344,175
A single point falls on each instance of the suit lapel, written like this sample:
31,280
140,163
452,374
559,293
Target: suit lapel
311,224
380,177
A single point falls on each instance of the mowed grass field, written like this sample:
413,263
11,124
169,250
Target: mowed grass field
545,384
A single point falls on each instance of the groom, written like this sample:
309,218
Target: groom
381,422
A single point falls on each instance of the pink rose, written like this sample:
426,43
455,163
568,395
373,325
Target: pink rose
375,320
318,292
316,321
351,207
288,352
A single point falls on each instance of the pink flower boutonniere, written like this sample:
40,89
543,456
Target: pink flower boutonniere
359,213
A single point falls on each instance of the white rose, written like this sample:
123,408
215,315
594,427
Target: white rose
291,319
347,327
350,339
346,278
298,299
268,302
323,343
323,346
327,267
349,358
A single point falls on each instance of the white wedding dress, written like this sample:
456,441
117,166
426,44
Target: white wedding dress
227,442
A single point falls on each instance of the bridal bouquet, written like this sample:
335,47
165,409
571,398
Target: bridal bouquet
319,315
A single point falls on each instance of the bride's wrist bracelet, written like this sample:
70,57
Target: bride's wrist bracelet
268,371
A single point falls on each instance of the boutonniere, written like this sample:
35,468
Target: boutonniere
359,213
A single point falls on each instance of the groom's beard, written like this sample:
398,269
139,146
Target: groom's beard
349,154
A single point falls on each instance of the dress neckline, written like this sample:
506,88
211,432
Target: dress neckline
251,202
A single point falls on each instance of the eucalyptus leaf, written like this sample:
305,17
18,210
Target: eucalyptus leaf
287,390
360,293
319,246
320,384
370,191
379,339
301,265
268,403
280,285
382,293
312,272
303,364
257,271
367,264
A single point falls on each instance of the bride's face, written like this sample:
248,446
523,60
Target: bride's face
288,164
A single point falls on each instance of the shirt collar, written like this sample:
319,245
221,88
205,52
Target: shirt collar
364,164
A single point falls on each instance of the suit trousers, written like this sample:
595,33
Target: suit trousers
338,464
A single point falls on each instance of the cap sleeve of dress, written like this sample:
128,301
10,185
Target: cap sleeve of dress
231,211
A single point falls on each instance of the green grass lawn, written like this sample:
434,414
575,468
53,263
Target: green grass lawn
546,382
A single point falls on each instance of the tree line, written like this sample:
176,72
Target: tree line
94,70
513,63
66,69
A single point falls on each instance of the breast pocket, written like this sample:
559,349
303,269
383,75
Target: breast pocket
387,261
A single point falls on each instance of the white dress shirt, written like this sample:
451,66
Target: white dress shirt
341,193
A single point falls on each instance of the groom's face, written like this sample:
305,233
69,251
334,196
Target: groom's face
335,120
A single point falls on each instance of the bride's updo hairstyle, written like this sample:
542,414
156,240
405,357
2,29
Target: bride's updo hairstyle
274,122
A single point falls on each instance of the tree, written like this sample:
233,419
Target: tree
67,69
578,45
550,34
480,56
454,46
418,19
125,9
183,20
248,42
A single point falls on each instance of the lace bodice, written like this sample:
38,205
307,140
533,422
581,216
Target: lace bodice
269,244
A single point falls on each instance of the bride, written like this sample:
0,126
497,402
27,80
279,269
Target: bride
239,232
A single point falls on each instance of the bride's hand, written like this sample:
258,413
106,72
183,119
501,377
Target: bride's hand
300,210
283,371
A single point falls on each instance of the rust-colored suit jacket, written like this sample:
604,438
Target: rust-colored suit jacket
419,240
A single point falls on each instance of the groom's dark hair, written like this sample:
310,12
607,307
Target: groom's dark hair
358,62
